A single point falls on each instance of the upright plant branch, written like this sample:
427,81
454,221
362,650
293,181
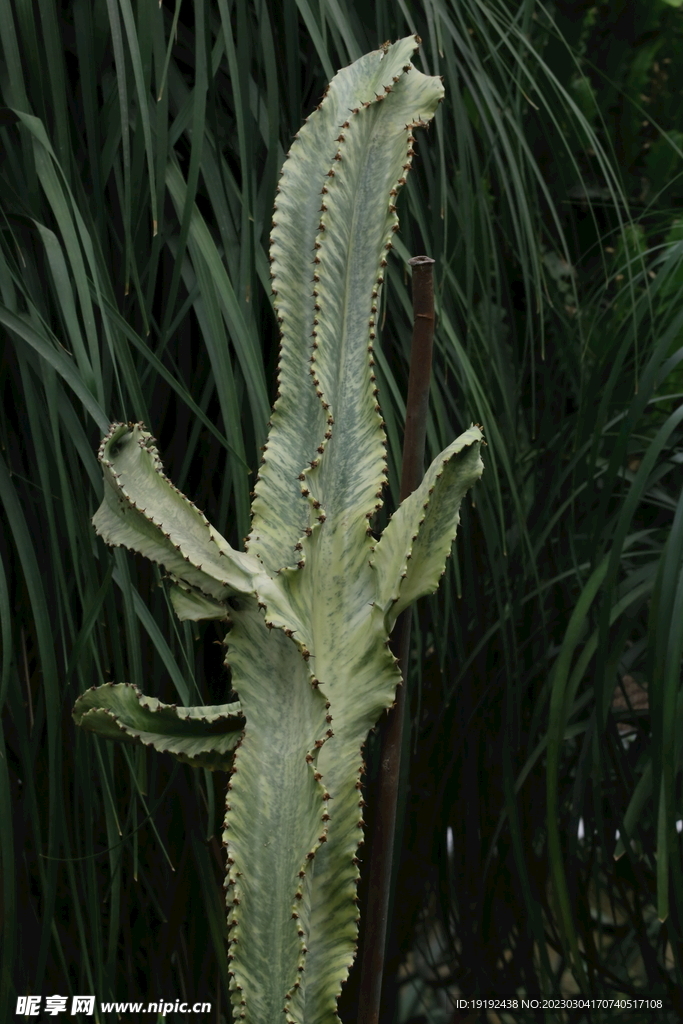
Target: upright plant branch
313,599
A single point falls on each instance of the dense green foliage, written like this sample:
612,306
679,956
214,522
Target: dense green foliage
139,154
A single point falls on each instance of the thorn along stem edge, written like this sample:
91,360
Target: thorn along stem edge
384,823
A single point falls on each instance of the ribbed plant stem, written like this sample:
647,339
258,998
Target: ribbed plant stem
384,827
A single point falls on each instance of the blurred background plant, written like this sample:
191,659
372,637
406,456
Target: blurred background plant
540,843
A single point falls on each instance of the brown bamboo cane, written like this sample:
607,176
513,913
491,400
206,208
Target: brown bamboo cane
384,826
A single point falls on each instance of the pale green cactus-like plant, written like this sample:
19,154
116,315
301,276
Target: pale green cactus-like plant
314,597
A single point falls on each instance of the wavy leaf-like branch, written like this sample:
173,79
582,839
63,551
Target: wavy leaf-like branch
313,600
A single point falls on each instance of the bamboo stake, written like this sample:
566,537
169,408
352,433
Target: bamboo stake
384,828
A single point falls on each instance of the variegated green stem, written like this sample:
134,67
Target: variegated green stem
276,818
297,770
314,599
142,510
343,485
331,592
314,295
204,737
386,802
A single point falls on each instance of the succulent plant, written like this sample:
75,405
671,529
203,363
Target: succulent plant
314,597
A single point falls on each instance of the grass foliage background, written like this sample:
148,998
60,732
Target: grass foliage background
140,146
